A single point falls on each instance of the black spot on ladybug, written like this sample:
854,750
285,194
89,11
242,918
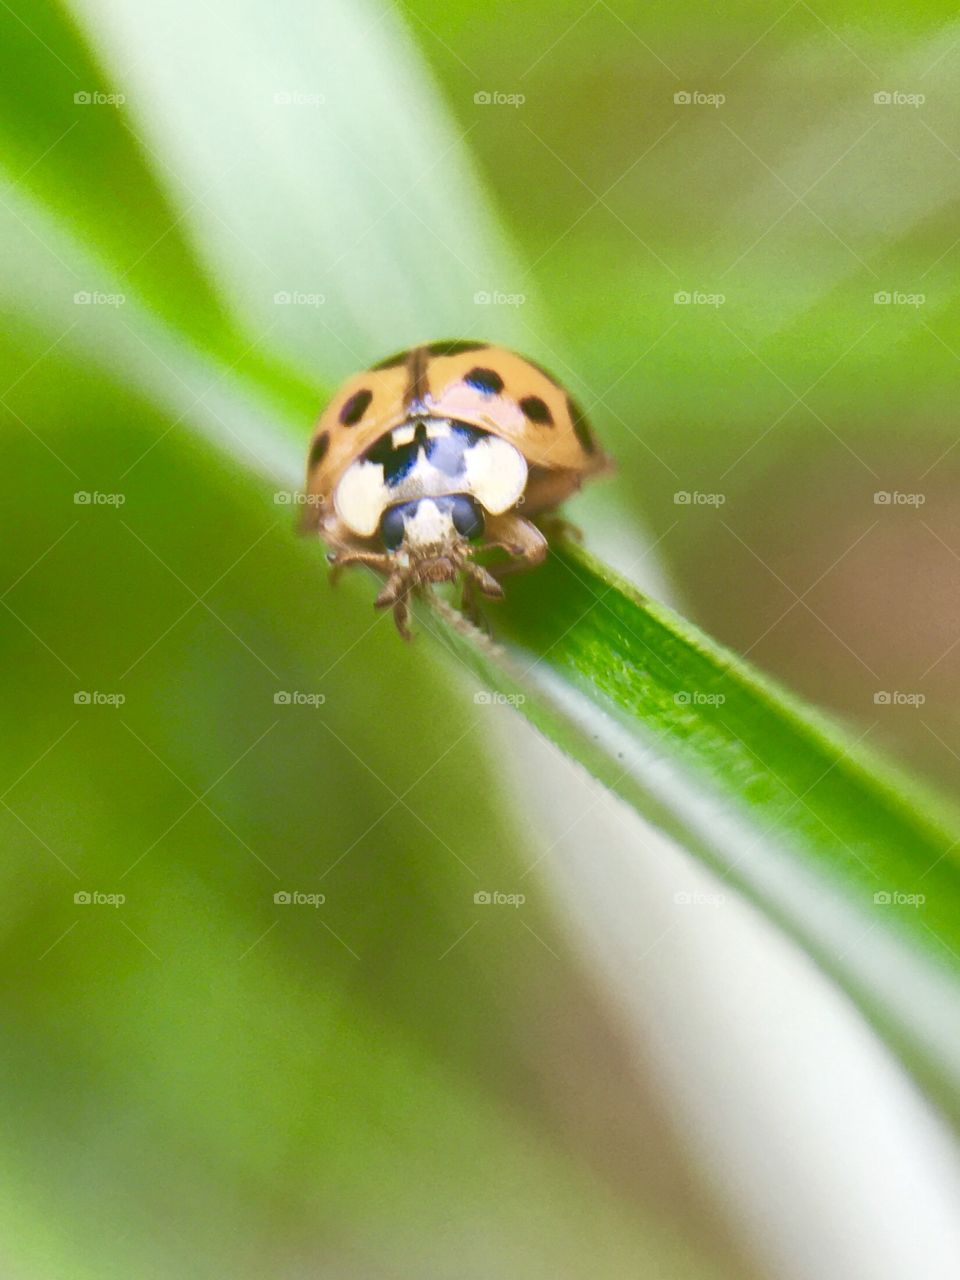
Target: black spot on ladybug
453,347
397,460
355,407
445,453
318,450
391,362
486,380
581,428
536,410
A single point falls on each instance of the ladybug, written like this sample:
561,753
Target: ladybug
438,452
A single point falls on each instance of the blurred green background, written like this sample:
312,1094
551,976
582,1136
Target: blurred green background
797,199
754,293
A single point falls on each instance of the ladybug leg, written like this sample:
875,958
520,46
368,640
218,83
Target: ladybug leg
401,616
478,581
480,578
520,539
396,595
339,560
469,605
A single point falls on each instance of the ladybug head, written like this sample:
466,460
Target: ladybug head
432,530
432,541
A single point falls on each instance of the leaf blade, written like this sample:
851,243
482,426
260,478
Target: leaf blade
809,825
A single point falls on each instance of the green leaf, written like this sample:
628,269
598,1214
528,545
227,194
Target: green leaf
811,827
210,1056
335,224
240,1083
253,1090
859,864
808,824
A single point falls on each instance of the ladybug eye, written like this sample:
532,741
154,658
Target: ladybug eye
466,516
391,527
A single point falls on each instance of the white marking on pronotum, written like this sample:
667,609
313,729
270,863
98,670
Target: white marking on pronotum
361,496
496,474
405,433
